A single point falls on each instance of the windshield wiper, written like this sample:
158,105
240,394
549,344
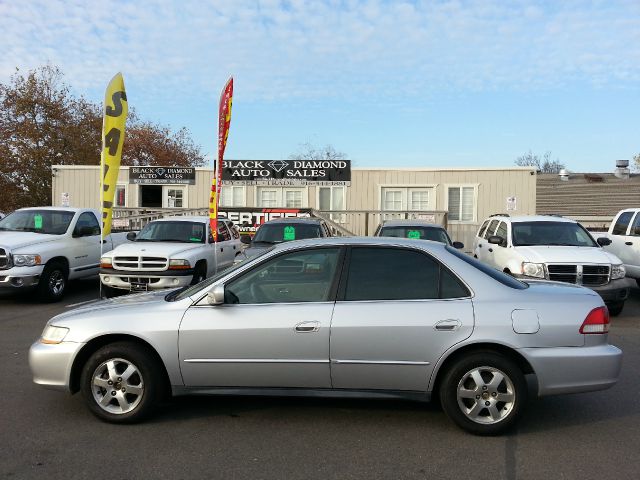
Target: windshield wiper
175,240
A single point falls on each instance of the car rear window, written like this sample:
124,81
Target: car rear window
497,275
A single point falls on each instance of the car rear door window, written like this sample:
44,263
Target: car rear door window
397,274
502,230
482,228
491,228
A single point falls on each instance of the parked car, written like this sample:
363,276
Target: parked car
281,230
553,248
345,317
168,253
623,240
45,247
416,229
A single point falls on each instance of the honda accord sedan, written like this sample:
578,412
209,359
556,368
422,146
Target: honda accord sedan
367,317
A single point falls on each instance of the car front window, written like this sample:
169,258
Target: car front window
284,232
551,233
52,222
184,232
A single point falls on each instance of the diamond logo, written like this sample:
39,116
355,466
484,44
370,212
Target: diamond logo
278,165
160,171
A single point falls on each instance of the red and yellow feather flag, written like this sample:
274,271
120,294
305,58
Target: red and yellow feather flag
224,121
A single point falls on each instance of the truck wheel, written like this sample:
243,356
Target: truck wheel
121,383
200,273
53,282
484,393
110,292
615,309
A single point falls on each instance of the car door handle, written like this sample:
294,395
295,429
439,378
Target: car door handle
448,325
222,249
628,243
479,245
307,327
491,249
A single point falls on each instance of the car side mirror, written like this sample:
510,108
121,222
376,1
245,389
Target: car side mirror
216,295
603,241
246,239
496,240
458,245
131,236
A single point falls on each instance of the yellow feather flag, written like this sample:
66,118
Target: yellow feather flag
113,123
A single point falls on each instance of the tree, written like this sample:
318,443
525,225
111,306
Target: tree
308,151
43,124
544,165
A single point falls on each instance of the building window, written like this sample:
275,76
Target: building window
232,196
268,198
275,197
293,198
461,204
332,198
120,199
407,198
174,198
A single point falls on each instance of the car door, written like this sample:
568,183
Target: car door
224,253
498,255
624,244
398,311
482,252
273,329
85,257
236,244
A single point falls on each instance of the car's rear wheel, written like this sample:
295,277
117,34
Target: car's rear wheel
121,383
199,273
484,393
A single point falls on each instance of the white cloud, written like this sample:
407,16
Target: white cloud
315,49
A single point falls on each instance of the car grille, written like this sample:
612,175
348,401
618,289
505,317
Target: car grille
153,264
589,275
4,259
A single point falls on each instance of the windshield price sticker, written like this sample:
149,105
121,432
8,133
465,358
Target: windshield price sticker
37,221
413,234
289,233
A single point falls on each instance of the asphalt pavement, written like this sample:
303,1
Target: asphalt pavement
51,435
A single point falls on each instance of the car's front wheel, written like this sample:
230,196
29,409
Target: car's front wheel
615,309
121,383
484,393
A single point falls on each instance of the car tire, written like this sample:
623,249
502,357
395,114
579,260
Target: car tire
53,282
615,309
484,393
110,292
121,383
199,273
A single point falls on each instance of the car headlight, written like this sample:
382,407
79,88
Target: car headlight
106,262
618,271
26,260
53,335
179,264
533,269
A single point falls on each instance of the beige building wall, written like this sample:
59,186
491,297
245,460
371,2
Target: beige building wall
492,187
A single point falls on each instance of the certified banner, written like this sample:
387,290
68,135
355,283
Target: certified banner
114,118
224,121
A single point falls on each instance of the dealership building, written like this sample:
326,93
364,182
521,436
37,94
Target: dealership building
354,198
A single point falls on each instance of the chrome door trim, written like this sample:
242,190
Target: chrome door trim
251,360
377,362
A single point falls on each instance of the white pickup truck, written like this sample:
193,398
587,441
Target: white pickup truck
44,247
624,235
168,253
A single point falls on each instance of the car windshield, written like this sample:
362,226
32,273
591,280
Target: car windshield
185,292
418,231
551,233
52,222
185,232
283,232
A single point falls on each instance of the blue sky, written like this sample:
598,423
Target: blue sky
390,83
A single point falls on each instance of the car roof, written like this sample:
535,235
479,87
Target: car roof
536,218
293,220
367,241
60,209
414,222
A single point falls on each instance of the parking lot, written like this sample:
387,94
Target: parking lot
46,434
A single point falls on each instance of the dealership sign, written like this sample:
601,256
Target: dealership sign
247,220
286,172
162,175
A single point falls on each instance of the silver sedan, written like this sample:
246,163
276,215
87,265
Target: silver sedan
367,317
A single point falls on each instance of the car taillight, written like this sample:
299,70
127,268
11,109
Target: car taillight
597,322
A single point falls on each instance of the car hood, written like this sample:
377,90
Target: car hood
153,249
561,254
15,240
148,298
